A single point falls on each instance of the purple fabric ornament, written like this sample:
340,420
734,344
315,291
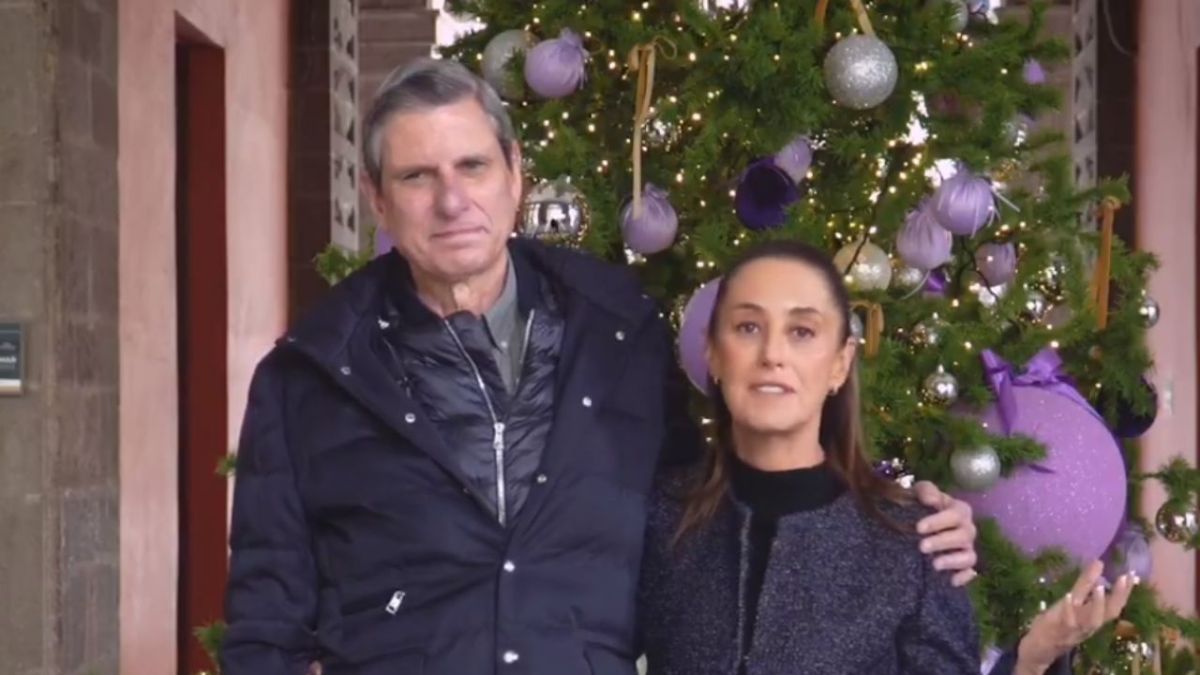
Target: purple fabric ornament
997,263
654,229
935,284
1074,498
555,67
763,195
383,242
1033,73
964,203
1129,552
922,243
795,158
693,334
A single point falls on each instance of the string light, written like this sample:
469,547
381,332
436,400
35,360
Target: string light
637,16
692,57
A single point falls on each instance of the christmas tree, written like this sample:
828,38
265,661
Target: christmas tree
1002,323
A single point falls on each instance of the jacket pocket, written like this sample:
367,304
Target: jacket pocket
377,621
604,661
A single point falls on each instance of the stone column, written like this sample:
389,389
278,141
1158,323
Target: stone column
58,278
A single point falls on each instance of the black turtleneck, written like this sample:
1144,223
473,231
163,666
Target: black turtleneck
771,495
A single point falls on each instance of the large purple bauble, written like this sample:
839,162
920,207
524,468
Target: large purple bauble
555,68
693,334
763,195
1129,552
964,203
653,230
1074,499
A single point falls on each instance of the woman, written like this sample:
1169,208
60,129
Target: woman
787,553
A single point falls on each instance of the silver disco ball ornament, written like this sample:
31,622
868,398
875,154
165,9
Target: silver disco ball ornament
555,211
1149,311
860,72
940,388
908,278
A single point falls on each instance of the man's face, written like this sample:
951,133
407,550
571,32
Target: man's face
447,197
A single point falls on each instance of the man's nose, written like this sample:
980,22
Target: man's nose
451,198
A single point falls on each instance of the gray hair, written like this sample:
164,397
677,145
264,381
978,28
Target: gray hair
422,85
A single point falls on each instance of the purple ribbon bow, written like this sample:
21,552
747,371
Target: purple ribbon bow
1044,370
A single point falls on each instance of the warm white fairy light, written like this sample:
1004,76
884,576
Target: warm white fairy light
692,57
637,16
591,128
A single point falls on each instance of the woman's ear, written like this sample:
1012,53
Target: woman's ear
843,363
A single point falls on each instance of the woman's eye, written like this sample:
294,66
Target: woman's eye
802,332
746,327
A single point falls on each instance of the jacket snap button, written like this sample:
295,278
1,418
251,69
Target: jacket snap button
410,418
587,401
620,336
511,657
345,370
509,566
542,478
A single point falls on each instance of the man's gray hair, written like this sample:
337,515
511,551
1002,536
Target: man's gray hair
423,85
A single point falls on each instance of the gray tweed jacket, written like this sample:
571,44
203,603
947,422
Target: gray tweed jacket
842,595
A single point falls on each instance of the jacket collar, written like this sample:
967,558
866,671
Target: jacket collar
366,295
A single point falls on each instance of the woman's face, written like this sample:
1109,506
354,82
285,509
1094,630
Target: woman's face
778,349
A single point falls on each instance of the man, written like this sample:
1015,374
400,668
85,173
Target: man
443,468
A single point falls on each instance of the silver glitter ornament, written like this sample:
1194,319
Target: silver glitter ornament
1150,311
860,72
660,134
962,14
871,269
928,333
1176,521
1035,307
555,211
940,388
908,278
715,8
975,469
1132,655
496,56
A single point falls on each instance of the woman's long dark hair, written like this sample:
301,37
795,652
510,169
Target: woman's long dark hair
841,433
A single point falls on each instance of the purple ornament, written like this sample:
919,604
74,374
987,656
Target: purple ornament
1033,73
763,195
922,243
1074,498
935,284
693,334
964,203
1129,552
795,158
997,263
654,229
383,242
555,67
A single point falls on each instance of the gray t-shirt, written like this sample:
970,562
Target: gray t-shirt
506,328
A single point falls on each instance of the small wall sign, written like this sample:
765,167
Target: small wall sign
11,366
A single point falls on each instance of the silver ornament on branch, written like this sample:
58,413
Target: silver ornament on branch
1176,521
660,134
940,388
496,57
907,278
988,296
1149,311
860,72
856,326
962,13
1035,307
555,211
714,8
928,333
866,266
975,469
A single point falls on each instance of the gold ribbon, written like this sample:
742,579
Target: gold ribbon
641,61
860,12
1103,271
873,330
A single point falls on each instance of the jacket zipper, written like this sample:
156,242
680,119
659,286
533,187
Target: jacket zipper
497,425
